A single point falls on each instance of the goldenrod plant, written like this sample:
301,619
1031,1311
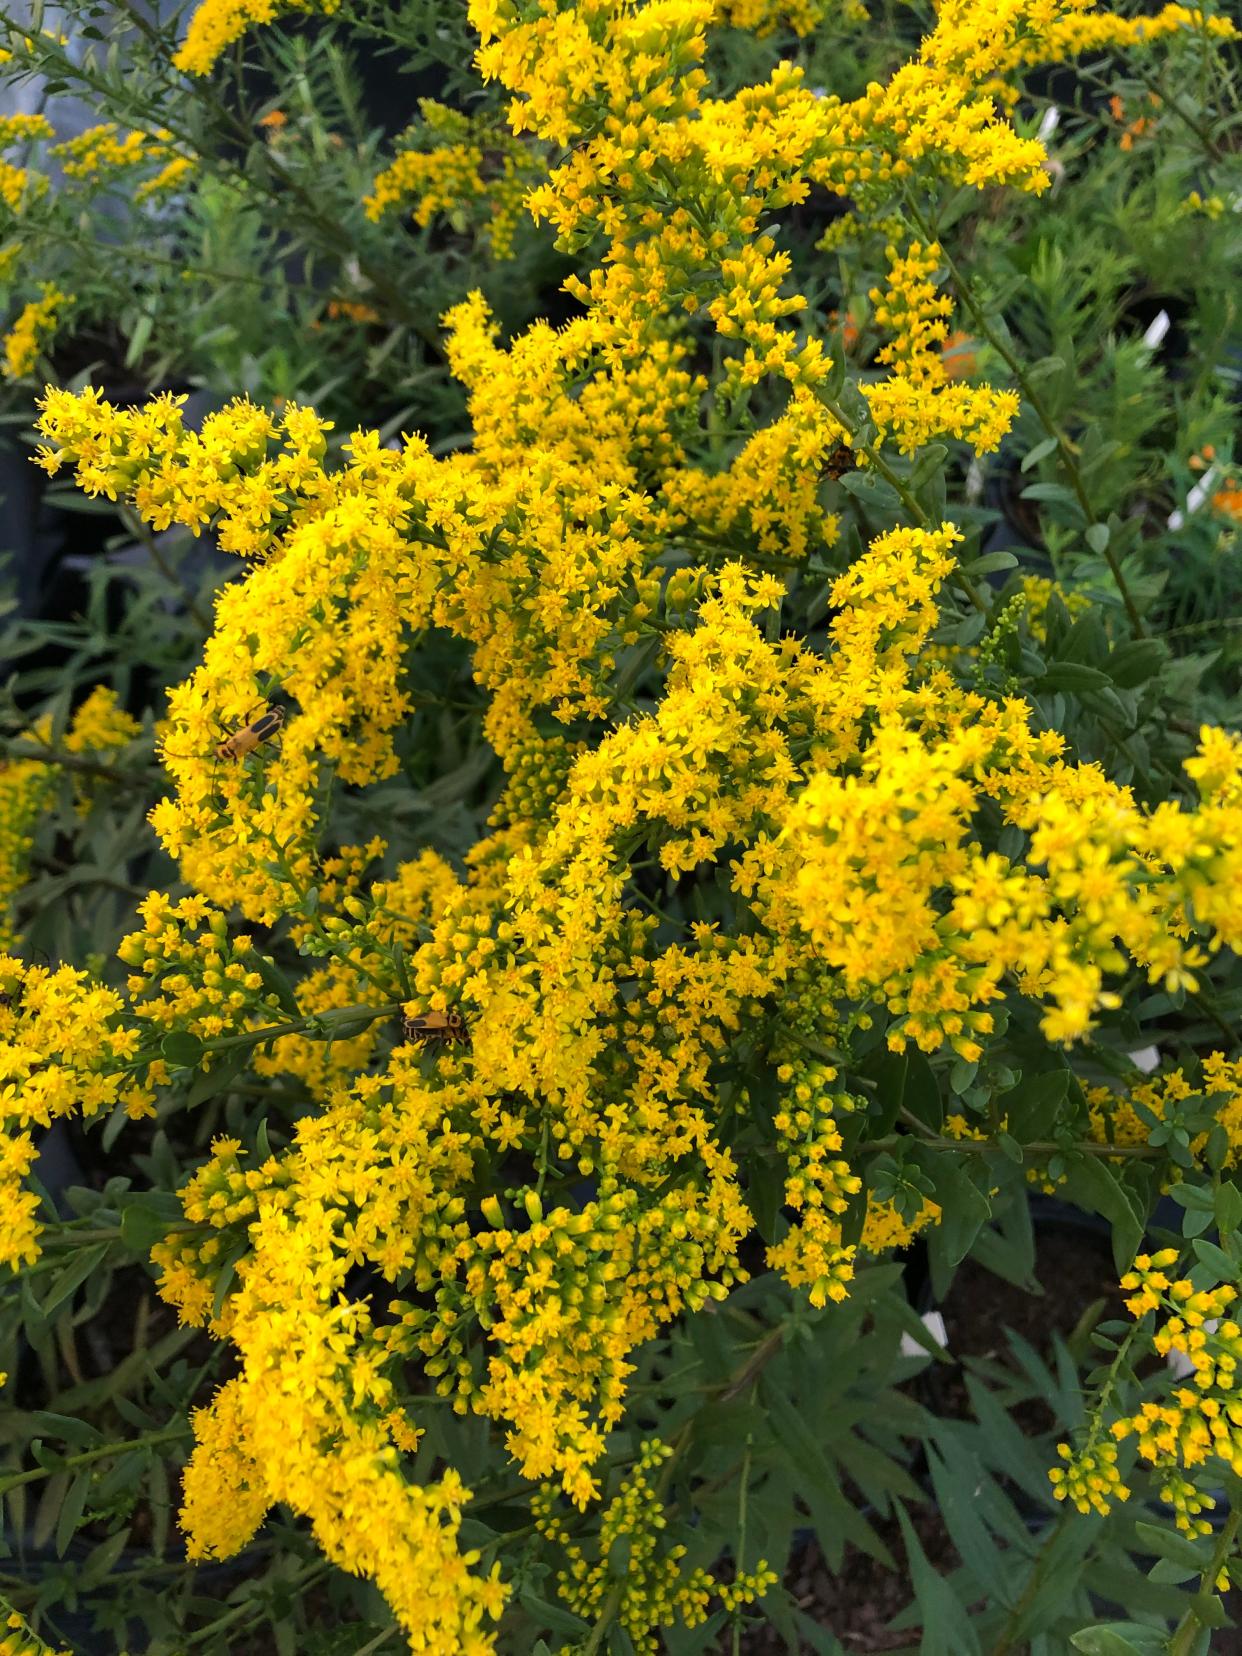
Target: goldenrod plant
718,796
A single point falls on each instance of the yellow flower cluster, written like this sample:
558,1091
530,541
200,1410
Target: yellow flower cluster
818,1187
1082,31
1038,592
763,17
919,401
101,151
63,1049
470,161
17,183
216,24
1198,1424
1115,1119
17,1638
97,725
653,1591
34,326
1089,1480
548,1191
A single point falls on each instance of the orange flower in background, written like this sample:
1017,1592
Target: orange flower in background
1138,127
848,327
1228,501
958,353
352,310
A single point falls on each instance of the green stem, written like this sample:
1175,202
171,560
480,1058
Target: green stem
1183,1640
248,1610
48,755
1004,1642
380,1638
897,483
723,1393
1038,1147
105,1451
743,1488
145,535
64,1236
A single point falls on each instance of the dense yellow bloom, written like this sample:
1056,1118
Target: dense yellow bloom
546,1193
31,332
17,183
216,24
102,150
471,162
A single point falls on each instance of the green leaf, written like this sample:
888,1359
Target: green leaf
834,380
990,562
1119,1639
1228,1208
1098,537
1207,1253
1044,369
965,1209
1055,494
1032,457
73,1430
1094,1185
1009,1147
930,460
1136,662
947,1628
871,489
957,1485
71,1512
182,1049
1035,1103
551,1615
765,1194
1170,1543
74,1275
1072,675
146,1220
1193,1196
619,1555
905,1080
48,1511
223,1070
100,1562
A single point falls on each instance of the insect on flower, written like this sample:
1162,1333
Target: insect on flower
436,1029
841,460
253,734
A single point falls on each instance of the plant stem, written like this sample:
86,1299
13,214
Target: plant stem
1038,1147
1004,1642
20,748
743,1487
1183,1640
64,1236
876,459
723,1393
104,1451
248,1610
